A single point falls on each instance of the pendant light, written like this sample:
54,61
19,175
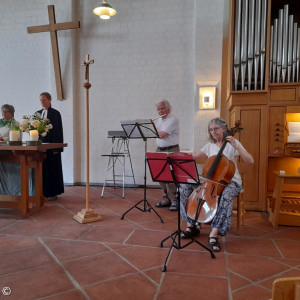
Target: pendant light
104,11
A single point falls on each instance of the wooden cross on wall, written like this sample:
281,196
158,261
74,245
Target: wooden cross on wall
52,27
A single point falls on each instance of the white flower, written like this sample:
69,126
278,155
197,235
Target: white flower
35,123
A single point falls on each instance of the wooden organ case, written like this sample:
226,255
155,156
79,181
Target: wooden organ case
260,87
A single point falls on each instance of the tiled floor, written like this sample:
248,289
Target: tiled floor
51,256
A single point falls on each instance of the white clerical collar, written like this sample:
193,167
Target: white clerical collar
44,113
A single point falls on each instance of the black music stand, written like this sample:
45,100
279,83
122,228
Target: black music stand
144,129
175,167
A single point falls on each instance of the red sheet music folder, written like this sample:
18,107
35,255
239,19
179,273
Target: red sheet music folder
159,166
183,165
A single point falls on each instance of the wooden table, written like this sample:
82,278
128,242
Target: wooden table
29,157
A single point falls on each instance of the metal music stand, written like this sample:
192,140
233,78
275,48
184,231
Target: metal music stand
144,129
177,167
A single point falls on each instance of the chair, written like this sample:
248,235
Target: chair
287,288
238,205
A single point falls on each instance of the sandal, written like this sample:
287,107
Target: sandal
214,244
190,233
163,203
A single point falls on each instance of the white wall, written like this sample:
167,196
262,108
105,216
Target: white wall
146,52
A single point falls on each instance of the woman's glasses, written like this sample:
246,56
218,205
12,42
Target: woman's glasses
214,129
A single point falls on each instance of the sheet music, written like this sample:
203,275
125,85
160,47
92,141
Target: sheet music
294,132
131,129
148,128
140,128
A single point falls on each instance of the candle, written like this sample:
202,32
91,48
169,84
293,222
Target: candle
33,135
14,135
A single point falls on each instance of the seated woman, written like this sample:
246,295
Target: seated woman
7,122
217,130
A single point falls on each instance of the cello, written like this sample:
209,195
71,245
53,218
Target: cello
218,171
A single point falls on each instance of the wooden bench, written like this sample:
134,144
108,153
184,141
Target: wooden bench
284,206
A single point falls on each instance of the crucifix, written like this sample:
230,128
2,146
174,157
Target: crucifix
87,215
52,27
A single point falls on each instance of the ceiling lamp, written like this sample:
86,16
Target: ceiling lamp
104,11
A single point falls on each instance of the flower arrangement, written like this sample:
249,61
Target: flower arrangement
36,122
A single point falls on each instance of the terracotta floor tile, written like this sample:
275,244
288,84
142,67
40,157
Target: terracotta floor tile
128,287
155,274
293,262
249,231
269,283
193,287
37,283
69,295
10,243
109,234
6,223
69,249
150,238
18,260
253,267
237,281
144,257
289,249
26,227
50,255
287,233
72,230
252,292
98,268
196,262
251,246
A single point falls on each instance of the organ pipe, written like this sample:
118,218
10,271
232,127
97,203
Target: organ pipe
271,51
257,40
275,38
279,44
250,41
285,41
298,55
244,41
290,47
294,52
250,46
263,41
237,42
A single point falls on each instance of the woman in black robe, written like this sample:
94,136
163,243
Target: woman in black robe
53,183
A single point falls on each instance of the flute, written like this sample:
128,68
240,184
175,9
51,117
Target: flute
158,117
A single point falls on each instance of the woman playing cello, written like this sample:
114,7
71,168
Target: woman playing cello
217,130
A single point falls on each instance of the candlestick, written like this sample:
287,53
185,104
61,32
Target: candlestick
14,135
33,135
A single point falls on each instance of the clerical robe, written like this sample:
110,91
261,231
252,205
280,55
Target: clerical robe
53,183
